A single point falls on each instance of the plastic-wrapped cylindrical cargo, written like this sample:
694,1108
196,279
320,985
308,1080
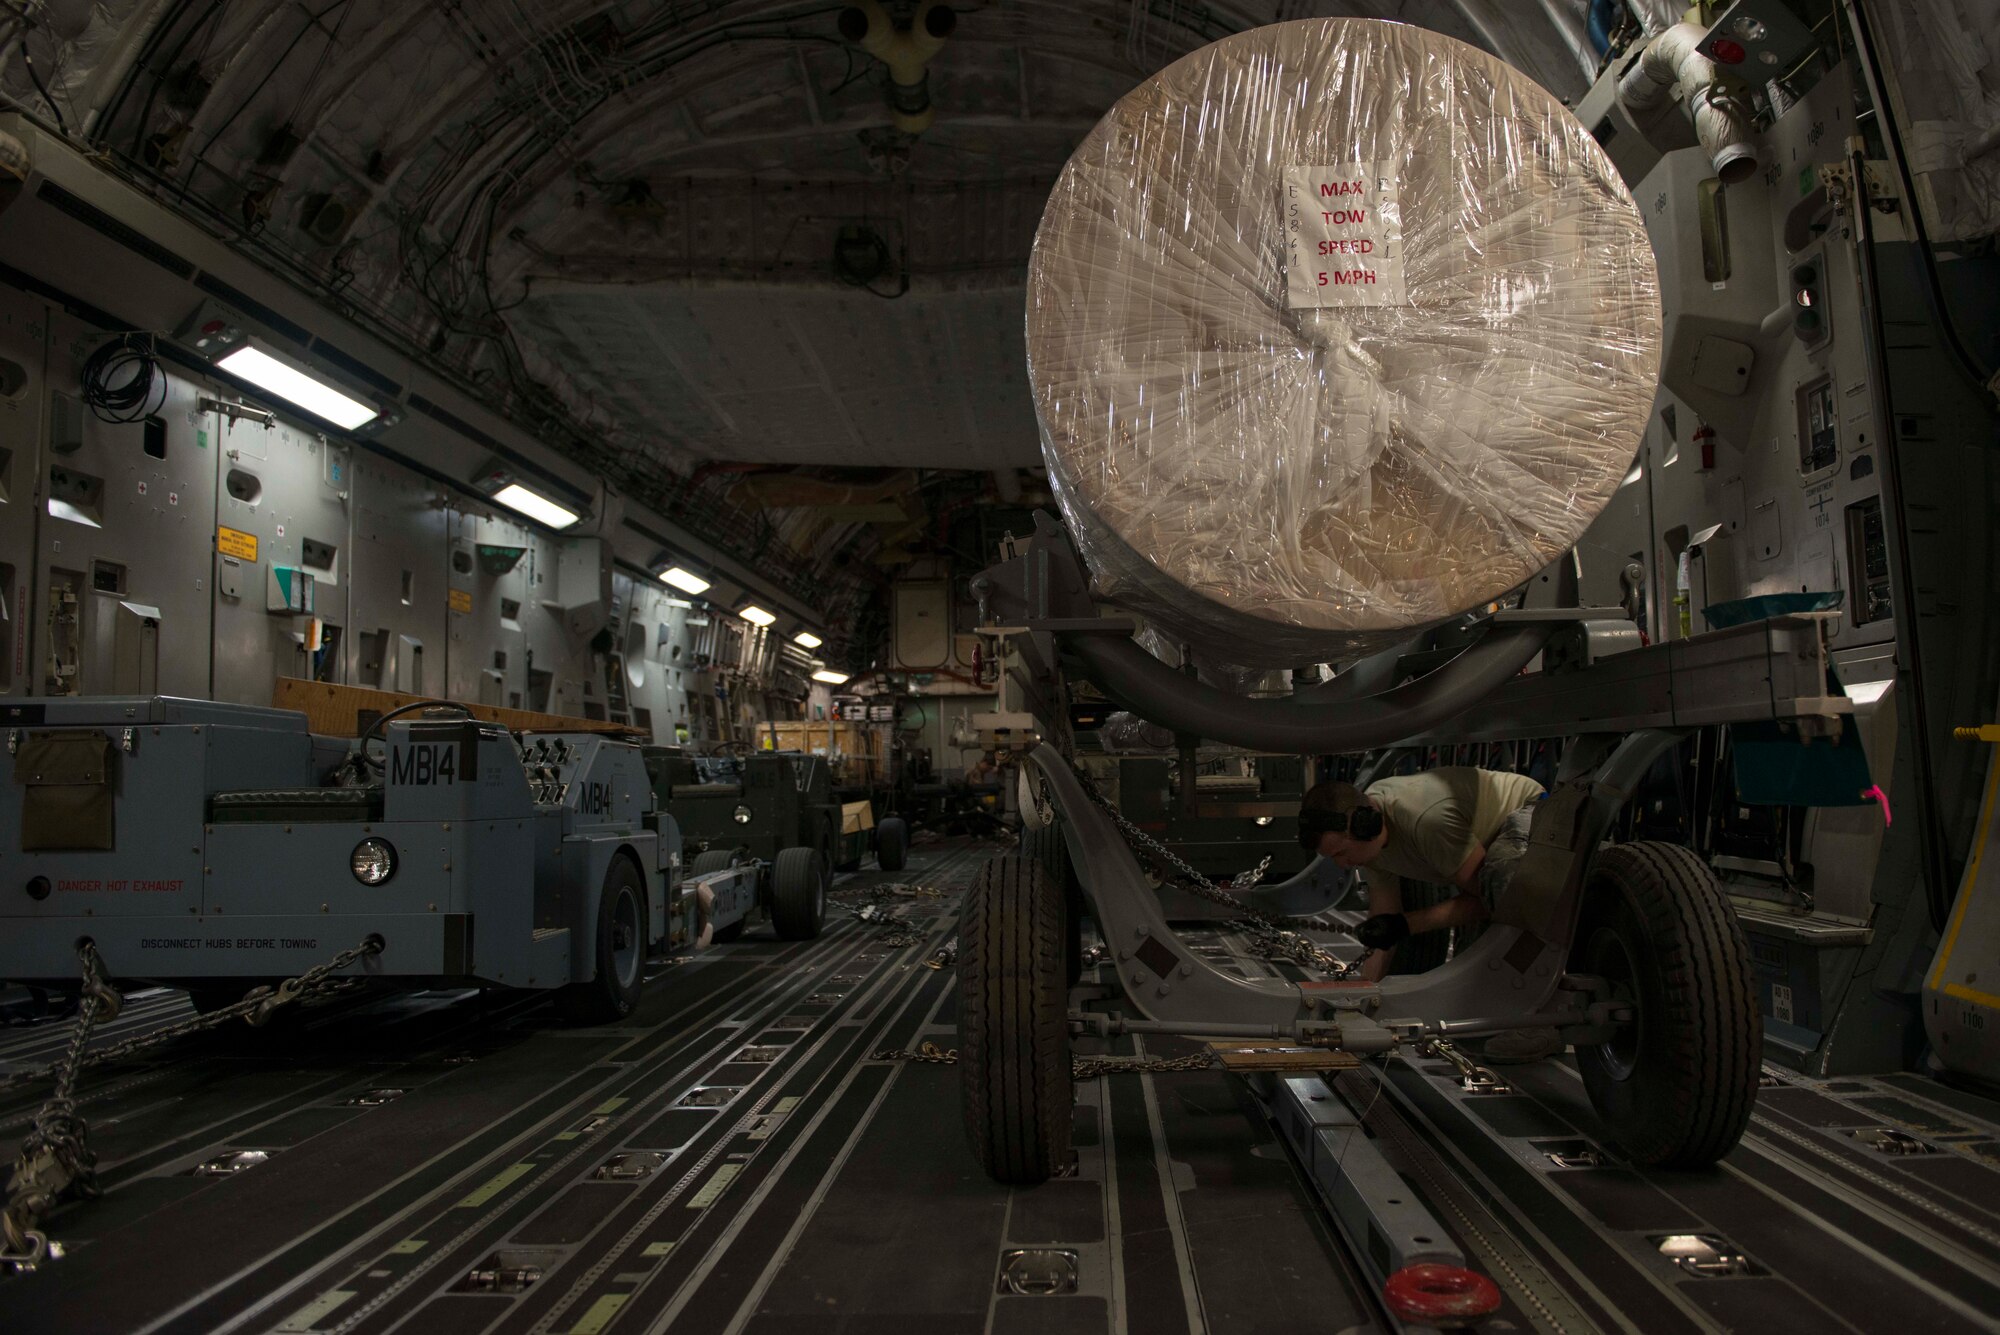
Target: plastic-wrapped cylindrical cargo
1336,328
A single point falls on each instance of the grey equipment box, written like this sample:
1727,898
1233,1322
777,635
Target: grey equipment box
197,842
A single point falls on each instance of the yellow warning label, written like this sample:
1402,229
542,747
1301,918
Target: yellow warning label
308,1317
235,542
500,1181
718,1184
460,600
600,1314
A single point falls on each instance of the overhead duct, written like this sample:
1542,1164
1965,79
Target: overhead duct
906,50
1671,64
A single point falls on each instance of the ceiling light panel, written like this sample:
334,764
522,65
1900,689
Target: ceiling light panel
298,388
684,580
534,505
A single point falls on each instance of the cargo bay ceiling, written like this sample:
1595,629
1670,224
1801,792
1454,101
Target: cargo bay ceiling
696,243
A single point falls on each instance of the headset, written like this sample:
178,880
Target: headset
1362,823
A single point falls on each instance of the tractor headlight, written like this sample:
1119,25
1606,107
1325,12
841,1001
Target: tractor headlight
742,815
373,861
1263,820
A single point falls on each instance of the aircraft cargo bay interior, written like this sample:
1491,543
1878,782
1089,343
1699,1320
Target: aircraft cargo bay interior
999,667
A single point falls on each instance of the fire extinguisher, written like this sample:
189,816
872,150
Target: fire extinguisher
1704,436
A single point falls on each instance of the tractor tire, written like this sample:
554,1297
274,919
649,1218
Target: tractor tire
798,893
715,859
1013,1031
718,859
1047,847
829,843
620,956
892,844
1674,1086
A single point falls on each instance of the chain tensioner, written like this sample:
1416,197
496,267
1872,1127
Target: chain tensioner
55,1159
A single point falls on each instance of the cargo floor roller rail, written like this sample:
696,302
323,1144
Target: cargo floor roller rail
1629,952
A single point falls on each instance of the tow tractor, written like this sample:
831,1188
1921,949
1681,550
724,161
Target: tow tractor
216,847
737,806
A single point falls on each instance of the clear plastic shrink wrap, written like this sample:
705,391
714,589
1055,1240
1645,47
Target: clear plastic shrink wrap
1336,328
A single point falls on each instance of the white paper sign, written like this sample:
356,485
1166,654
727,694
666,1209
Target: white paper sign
1344,237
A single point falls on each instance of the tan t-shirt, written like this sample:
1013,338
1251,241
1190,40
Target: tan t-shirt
1437,818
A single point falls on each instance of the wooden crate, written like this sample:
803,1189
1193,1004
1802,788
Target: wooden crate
861,746
343,711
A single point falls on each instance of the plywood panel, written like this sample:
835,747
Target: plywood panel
342,711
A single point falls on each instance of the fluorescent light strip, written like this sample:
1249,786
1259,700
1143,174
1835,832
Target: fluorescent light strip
832,678
536,507
684,580
297,388
755,615
805,639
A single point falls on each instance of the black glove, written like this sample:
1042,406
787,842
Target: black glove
1384,931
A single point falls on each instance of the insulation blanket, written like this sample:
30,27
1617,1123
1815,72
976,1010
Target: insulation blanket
1336,328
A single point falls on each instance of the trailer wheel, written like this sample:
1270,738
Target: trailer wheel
1013,1033
829,842
1675,1085
621,951
798,893
715,859
892,843
1047,847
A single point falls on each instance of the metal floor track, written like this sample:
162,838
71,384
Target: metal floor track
734,1159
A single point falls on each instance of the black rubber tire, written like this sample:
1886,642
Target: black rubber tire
1675,1088
715,859
614,992
829,842
1048,847
892,844
1013,1034
798,893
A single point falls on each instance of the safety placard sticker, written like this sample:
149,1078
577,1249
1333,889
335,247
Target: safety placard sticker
460,600
235,542
1343,236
